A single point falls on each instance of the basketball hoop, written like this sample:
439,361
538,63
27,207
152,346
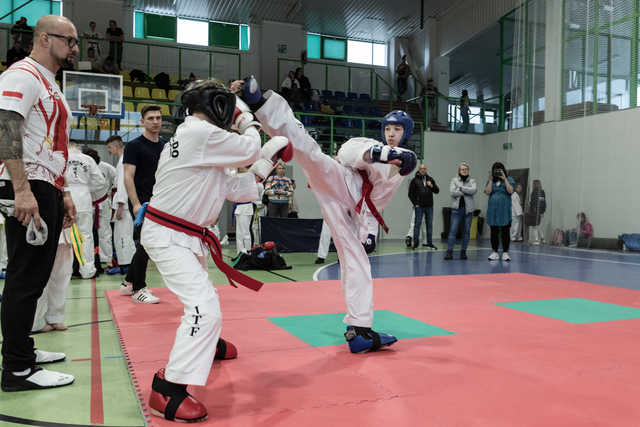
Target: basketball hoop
92,109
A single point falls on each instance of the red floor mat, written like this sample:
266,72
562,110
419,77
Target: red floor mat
502,367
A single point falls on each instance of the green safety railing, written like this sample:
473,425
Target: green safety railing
375,79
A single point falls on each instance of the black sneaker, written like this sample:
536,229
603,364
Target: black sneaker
407,241
319,260
449,255
463,254
430,246
37,379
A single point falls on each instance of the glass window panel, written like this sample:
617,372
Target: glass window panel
138,24
160,27
314,46
380,54
333,49
244,37
224,35
359,52
193,32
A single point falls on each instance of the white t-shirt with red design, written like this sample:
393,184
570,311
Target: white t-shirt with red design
31,90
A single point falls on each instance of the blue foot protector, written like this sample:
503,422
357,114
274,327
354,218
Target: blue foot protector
362,340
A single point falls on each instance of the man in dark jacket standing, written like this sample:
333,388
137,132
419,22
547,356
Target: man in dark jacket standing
421,191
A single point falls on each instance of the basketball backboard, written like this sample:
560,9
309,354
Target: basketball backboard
82,89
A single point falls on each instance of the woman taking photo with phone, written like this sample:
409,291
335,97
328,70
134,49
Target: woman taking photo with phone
499,188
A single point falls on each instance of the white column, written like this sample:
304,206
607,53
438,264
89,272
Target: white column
553,61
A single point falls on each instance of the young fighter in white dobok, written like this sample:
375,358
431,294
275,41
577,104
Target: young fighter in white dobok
83,177
243,213
193,180
102,208
123,224
359,177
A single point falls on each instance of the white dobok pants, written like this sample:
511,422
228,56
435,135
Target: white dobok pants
104,231
516,225
123,238
185,273
244,218
50,308
85,225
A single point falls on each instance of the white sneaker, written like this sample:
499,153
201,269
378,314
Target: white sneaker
494,256
48,357
144,296
505,256
126,289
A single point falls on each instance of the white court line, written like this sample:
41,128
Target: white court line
578,258
317,272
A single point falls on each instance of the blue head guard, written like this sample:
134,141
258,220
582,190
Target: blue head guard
399,117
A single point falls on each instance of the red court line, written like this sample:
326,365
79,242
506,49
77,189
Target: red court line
97,410
81,360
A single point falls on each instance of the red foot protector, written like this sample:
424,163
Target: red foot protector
225,350
171,401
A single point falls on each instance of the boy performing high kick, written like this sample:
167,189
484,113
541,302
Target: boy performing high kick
360,183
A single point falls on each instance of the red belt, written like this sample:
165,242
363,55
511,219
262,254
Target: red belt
367,188
210,240
96,210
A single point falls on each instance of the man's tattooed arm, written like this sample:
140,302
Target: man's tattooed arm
11,125
26,206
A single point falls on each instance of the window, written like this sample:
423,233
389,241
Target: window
32,11
160,27
380,54
360,52
245,37
322,47
314,46
334,49
193,32
224,35
190,31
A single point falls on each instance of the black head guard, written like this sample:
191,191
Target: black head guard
210,97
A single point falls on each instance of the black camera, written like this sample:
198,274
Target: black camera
497,174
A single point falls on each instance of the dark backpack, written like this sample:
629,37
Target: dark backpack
260,258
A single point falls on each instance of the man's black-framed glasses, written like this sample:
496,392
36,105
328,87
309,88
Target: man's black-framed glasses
71,41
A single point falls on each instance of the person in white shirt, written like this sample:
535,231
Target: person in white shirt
35,121
94,38
516,215
196,173
102,209
83,178
367,173
123,223
243,213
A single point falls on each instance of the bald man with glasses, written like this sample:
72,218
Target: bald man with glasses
35,121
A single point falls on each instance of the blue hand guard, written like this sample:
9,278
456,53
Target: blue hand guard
408,158
140,215
385,153
370,244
